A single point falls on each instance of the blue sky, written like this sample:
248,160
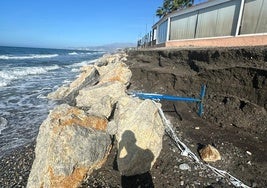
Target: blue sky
74,23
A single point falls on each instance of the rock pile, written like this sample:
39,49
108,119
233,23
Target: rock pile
76,137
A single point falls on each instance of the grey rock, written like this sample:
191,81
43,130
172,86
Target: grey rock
70,144
112,128
101,98
111,58
115,72
88,77
139,135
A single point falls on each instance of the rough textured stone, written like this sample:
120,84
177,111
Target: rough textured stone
112,128
101,98
88,77
60,93
111,58
70,144
210,154
115,72
139,135
88,73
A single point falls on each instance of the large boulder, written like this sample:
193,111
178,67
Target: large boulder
70,144
139,131
101,98
115,72
111,58
88,77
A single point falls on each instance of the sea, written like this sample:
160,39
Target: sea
27,75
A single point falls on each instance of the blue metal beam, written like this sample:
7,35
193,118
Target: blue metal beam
155,96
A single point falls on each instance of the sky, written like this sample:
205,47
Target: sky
74,23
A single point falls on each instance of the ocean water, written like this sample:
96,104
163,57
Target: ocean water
27,75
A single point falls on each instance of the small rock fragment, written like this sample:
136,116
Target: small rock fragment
184,166
210,154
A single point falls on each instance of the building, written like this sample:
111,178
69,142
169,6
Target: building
214,23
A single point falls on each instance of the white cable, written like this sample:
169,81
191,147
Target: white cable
185,151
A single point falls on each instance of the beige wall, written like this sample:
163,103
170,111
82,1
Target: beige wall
258,40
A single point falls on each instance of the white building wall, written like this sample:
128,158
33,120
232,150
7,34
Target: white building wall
254,17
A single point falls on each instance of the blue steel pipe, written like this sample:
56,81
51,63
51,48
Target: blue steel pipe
200,105
154,96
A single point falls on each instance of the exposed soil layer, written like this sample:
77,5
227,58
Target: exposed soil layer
235,117
234,120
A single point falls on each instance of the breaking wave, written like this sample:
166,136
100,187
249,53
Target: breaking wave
30,56
83,63
73,53
7,76
85,53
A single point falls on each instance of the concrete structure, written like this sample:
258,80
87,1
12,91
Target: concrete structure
214,23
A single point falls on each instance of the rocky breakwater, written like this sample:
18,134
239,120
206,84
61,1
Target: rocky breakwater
77,135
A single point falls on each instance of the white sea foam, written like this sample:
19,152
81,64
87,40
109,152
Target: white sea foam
75,70
83,63
7,76
67,81
30,56
96,52
85,53
73,53
41,96
3,124
3,83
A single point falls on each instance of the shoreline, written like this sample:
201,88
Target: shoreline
16,163
15,166
26,77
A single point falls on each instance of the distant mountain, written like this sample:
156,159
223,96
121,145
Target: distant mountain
109,47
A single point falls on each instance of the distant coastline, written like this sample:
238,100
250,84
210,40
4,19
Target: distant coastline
113,47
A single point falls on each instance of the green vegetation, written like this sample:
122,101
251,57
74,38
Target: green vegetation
172,5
